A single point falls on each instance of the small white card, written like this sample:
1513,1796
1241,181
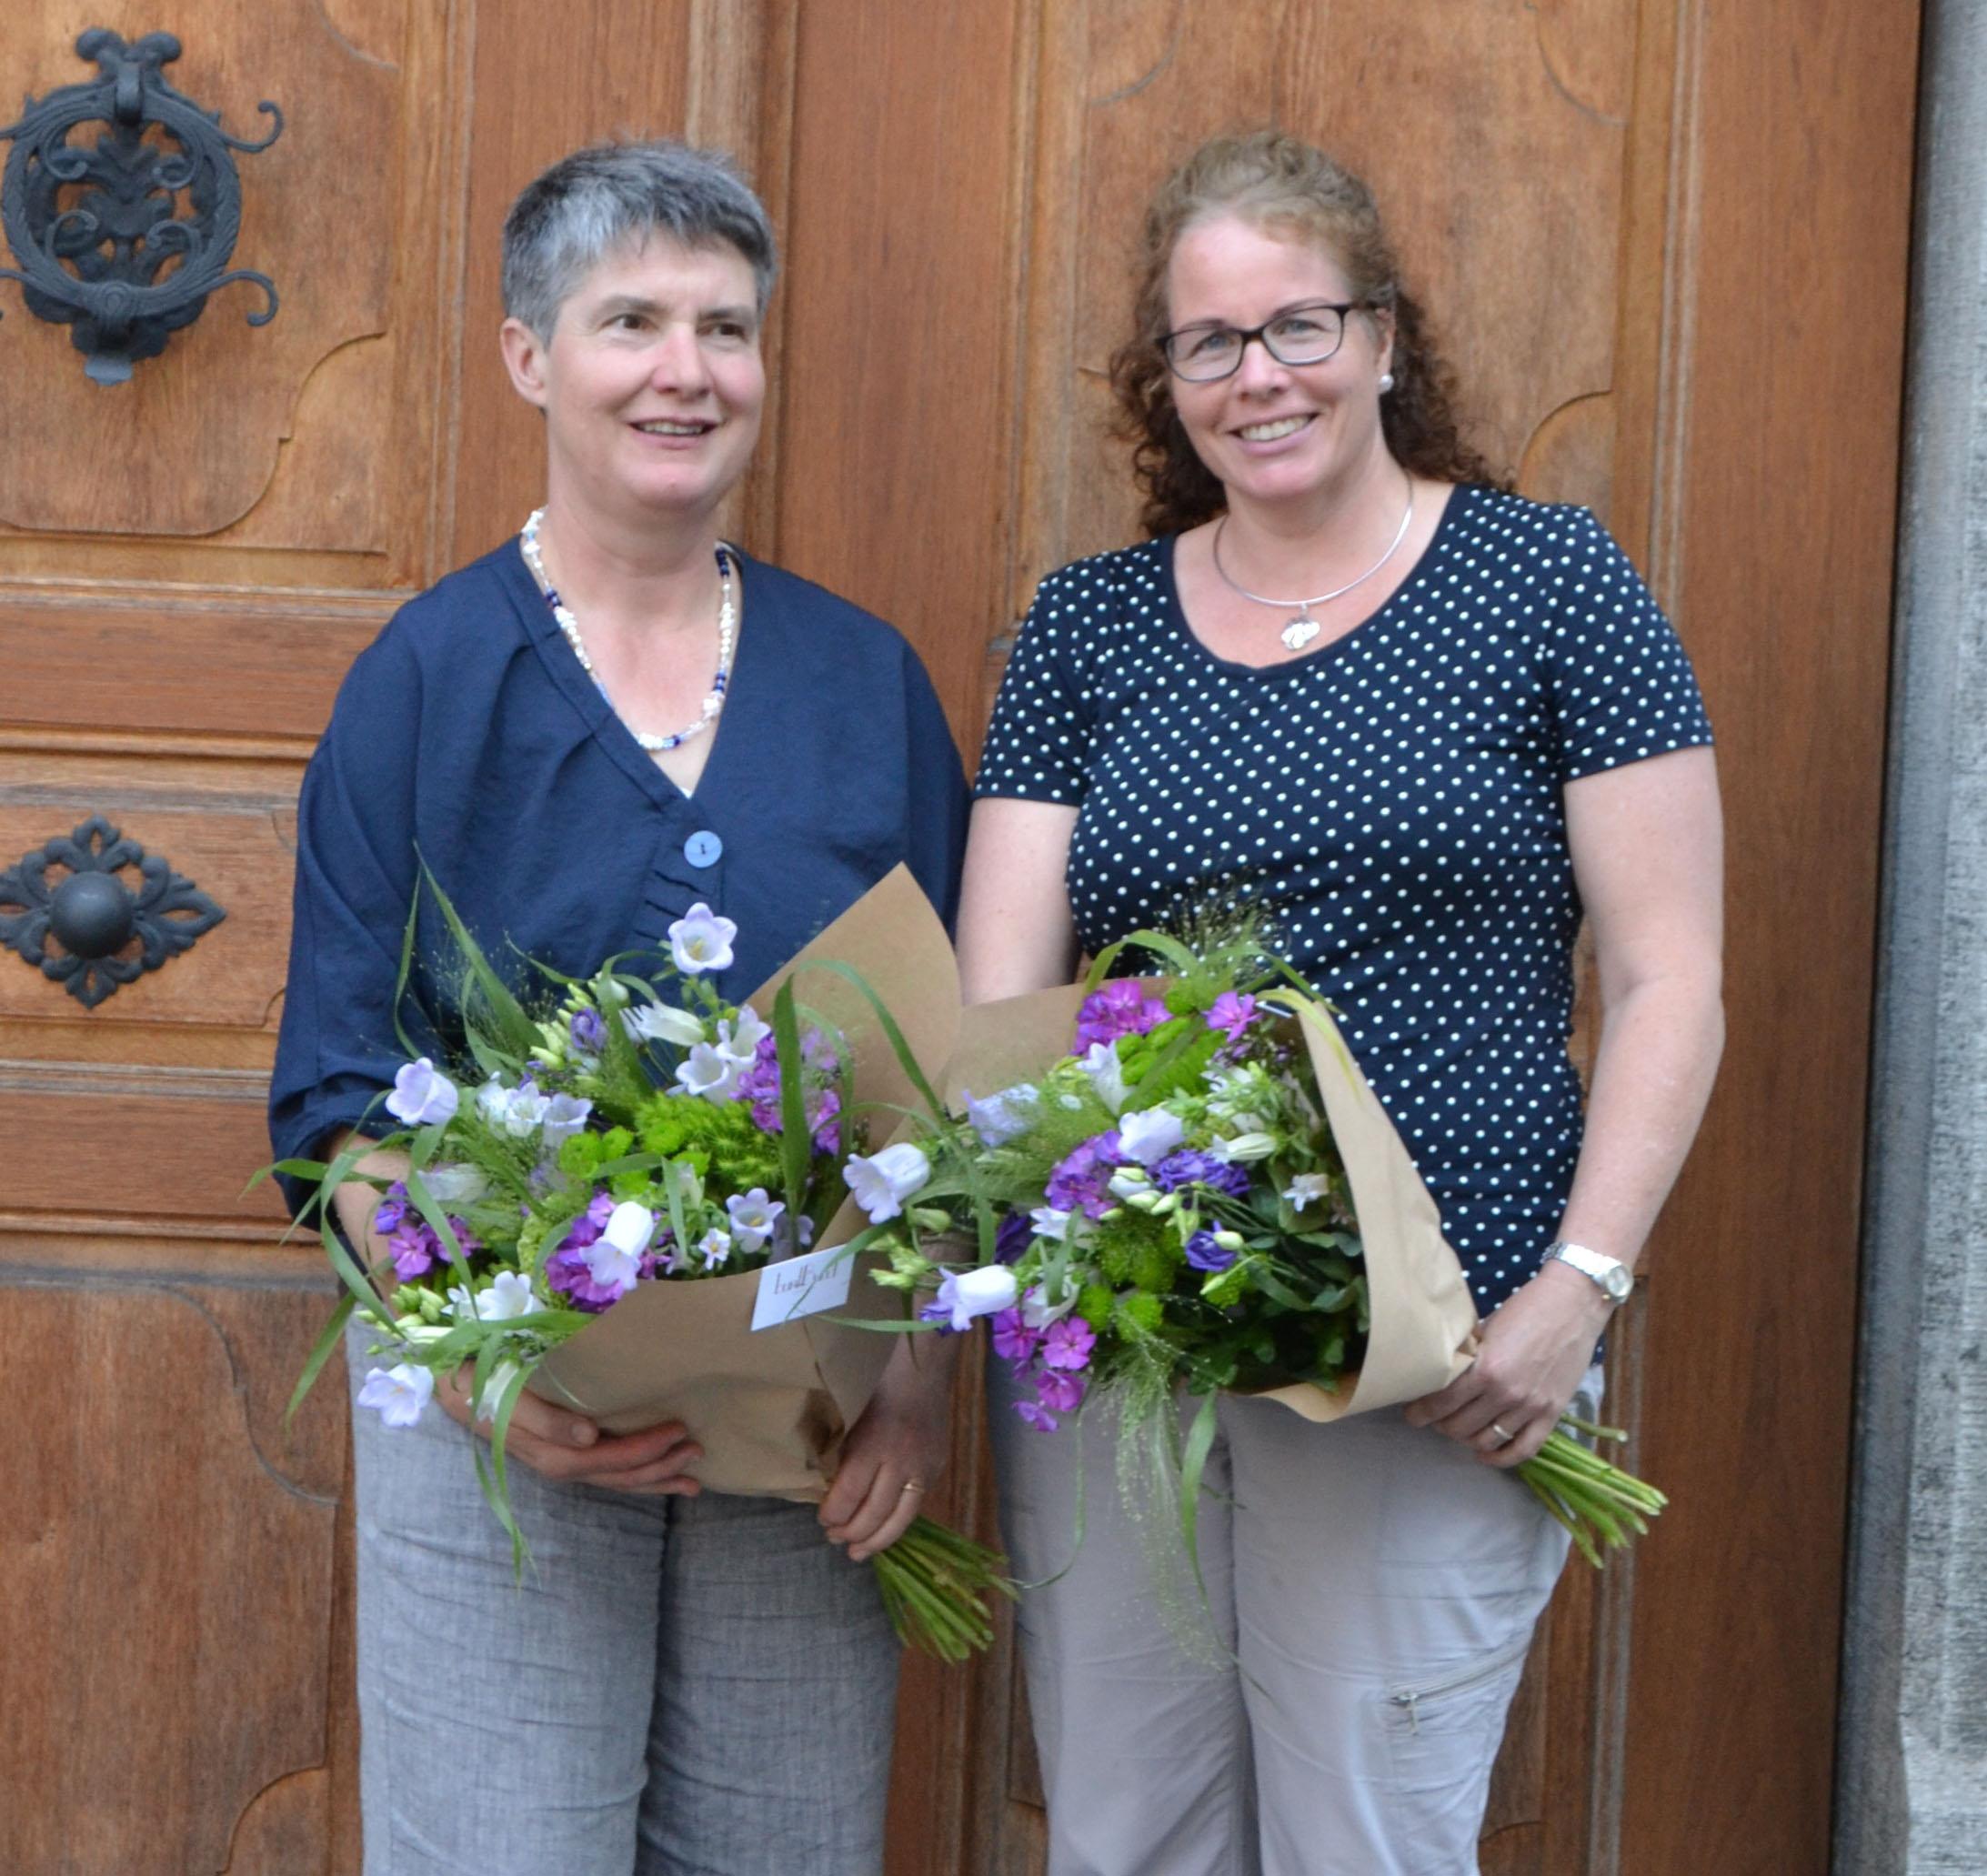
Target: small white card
802,1286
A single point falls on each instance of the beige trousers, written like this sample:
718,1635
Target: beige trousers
1378,1587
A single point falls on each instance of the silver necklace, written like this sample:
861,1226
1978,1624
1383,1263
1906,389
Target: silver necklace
728,620
1303,628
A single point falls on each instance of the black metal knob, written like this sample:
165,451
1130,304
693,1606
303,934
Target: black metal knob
94,917
94,914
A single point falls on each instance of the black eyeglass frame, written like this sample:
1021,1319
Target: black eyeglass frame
1343,308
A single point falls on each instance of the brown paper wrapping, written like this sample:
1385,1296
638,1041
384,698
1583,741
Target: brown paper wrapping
1423,1322
770,1409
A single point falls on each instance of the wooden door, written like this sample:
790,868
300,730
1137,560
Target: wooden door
1667,243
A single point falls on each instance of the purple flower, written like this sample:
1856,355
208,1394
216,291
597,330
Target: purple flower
822,1123
566,1269
415,1250
940,1313
1013,1340
1040,1418
1012,1237
392,1210
1232,1013
418,1248
1190,1167
1082,1181
588,1031
1124,1007
1204,1254
1069,1344
1063,1392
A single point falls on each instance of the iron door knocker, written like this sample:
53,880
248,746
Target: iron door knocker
94,261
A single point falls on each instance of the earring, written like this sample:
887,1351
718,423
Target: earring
1386,382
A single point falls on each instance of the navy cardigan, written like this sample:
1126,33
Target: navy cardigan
467,731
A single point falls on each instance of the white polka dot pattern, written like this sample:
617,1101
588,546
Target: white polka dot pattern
1392,800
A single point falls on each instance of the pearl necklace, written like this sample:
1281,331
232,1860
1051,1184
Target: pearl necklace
1303,628
727,619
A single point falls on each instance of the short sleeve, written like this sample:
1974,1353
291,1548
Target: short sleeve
1621,684
1037,747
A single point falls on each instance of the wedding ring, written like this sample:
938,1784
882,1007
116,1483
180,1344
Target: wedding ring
910,1485
1504,1438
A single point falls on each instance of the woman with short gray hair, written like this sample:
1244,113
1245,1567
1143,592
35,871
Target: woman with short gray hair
614,715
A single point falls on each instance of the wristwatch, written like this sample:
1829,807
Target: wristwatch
1609,1275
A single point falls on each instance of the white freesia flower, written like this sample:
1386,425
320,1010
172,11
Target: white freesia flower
499,1380
1002,1117
400,1394
715,1246
1130,1182
1149,1136
882,1182
1038,1312
422,1094
738,1038
700,940
564,1115
527,1111
706,1072
1050,1223
982,1292
454,1185
1307,1189
613,1260
657,1022
753,1218
507,1298
1107,1074
493,1101
1245,1147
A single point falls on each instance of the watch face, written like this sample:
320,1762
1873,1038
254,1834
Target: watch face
1618,1283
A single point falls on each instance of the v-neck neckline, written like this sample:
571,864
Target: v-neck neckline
595,707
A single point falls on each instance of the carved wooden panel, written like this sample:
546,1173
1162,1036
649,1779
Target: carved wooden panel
171,1559
192,449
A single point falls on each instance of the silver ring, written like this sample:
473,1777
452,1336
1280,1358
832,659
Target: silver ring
1504,1438
909,1485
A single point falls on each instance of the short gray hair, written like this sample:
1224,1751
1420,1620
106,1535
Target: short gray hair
613,196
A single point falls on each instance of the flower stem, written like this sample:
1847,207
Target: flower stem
934,1583
1601,1507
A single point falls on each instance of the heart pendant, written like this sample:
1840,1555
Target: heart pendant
1301,631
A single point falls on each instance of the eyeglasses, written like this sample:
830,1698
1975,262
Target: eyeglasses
1300,336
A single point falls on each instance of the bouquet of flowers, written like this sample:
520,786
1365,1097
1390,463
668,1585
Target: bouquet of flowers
609,1156
1204,1194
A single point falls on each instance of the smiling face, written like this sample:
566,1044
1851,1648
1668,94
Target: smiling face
652,383
1276,434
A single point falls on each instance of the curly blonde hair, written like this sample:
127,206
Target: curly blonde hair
1280,183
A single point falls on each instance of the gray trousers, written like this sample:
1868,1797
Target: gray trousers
680,1687
1380,1588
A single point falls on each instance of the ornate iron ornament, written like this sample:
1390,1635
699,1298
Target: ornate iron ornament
94,261
95,916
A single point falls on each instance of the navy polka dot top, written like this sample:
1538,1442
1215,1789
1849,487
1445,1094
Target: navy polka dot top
1393,800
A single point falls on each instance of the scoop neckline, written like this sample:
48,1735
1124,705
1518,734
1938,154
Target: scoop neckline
1459,494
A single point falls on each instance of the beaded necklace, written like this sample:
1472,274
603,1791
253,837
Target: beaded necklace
727,619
